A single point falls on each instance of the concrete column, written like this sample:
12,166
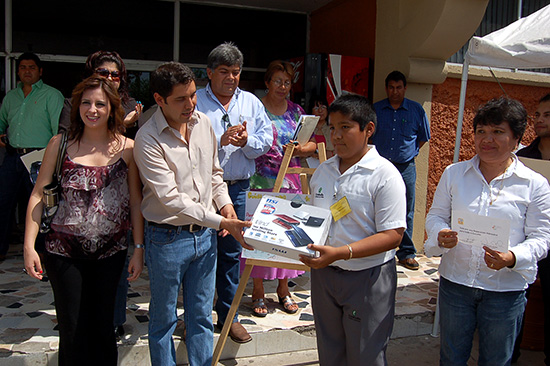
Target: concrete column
419,92
416,37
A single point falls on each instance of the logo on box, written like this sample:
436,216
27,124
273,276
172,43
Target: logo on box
287,228
268,209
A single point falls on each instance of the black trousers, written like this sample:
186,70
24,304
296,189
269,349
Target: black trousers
15,184
544,276
84,293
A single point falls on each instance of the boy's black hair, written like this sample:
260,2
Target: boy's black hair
500,110
544,99
167,76
356,107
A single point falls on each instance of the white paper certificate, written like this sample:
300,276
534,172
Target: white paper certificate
481,231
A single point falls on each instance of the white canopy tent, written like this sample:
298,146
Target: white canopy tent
523,44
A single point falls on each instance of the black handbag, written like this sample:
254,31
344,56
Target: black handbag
52,191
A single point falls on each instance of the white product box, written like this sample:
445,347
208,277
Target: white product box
285,228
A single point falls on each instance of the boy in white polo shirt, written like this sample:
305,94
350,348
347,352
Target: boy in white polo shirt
353,281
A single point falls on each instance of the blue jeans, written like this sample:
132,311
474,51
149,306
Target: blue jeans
14,182
496,315
229,250
408,172
175,258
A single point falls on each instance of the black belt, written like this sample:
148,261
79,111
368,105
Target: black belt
192,228
403,164
231,182
25,150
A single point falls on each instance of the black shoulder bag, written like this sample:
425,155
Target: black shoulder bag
52,191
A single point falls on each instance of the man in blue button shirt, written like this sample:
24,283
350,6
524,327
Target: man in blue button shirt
402,129
244,132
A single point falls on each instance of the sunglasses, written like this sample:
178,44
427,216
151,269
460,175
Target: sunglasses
115,75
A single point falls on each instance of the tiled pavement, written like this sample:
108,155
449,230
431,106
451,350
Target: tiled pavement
28,323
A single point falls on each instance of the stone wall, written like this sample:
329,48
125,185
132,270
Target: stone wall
444,114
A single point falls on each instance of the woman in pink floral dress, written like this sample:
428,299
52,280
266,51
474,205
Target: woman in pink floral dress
284,116
87,244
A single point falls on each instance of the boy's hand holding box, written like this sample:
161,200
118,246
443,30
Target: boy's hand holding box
286,228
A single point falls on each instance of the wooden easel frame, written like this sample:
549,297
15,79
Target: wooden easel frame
250,263
284,169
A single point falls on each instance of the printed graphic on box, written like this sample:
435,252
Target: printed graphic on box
285,228
252,200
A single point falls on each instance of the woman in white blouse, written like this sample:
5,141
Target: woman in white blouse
480,287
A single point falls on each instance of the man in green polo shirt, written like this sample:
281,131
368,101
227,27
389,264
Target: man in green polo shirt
29,118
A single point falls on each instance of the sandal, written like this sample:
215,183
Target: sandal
257,306
287,302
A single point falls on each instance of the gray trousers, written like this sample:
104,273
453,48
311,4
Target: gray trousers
353,313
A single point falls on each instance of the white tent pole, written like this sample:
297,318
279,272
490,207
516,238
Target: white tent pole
463,85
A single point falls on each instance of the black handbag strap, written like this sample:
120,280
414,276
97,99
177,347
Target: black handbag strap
60,156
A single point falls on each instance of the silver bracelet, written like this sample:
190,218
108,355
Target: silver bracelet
139,246
350,252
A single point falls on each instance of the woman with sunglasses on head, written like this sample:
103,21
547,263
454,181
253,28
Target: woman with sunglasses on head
109,65
87,244
284,116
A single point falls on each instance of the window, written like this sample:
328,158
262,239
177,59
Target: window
138,29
